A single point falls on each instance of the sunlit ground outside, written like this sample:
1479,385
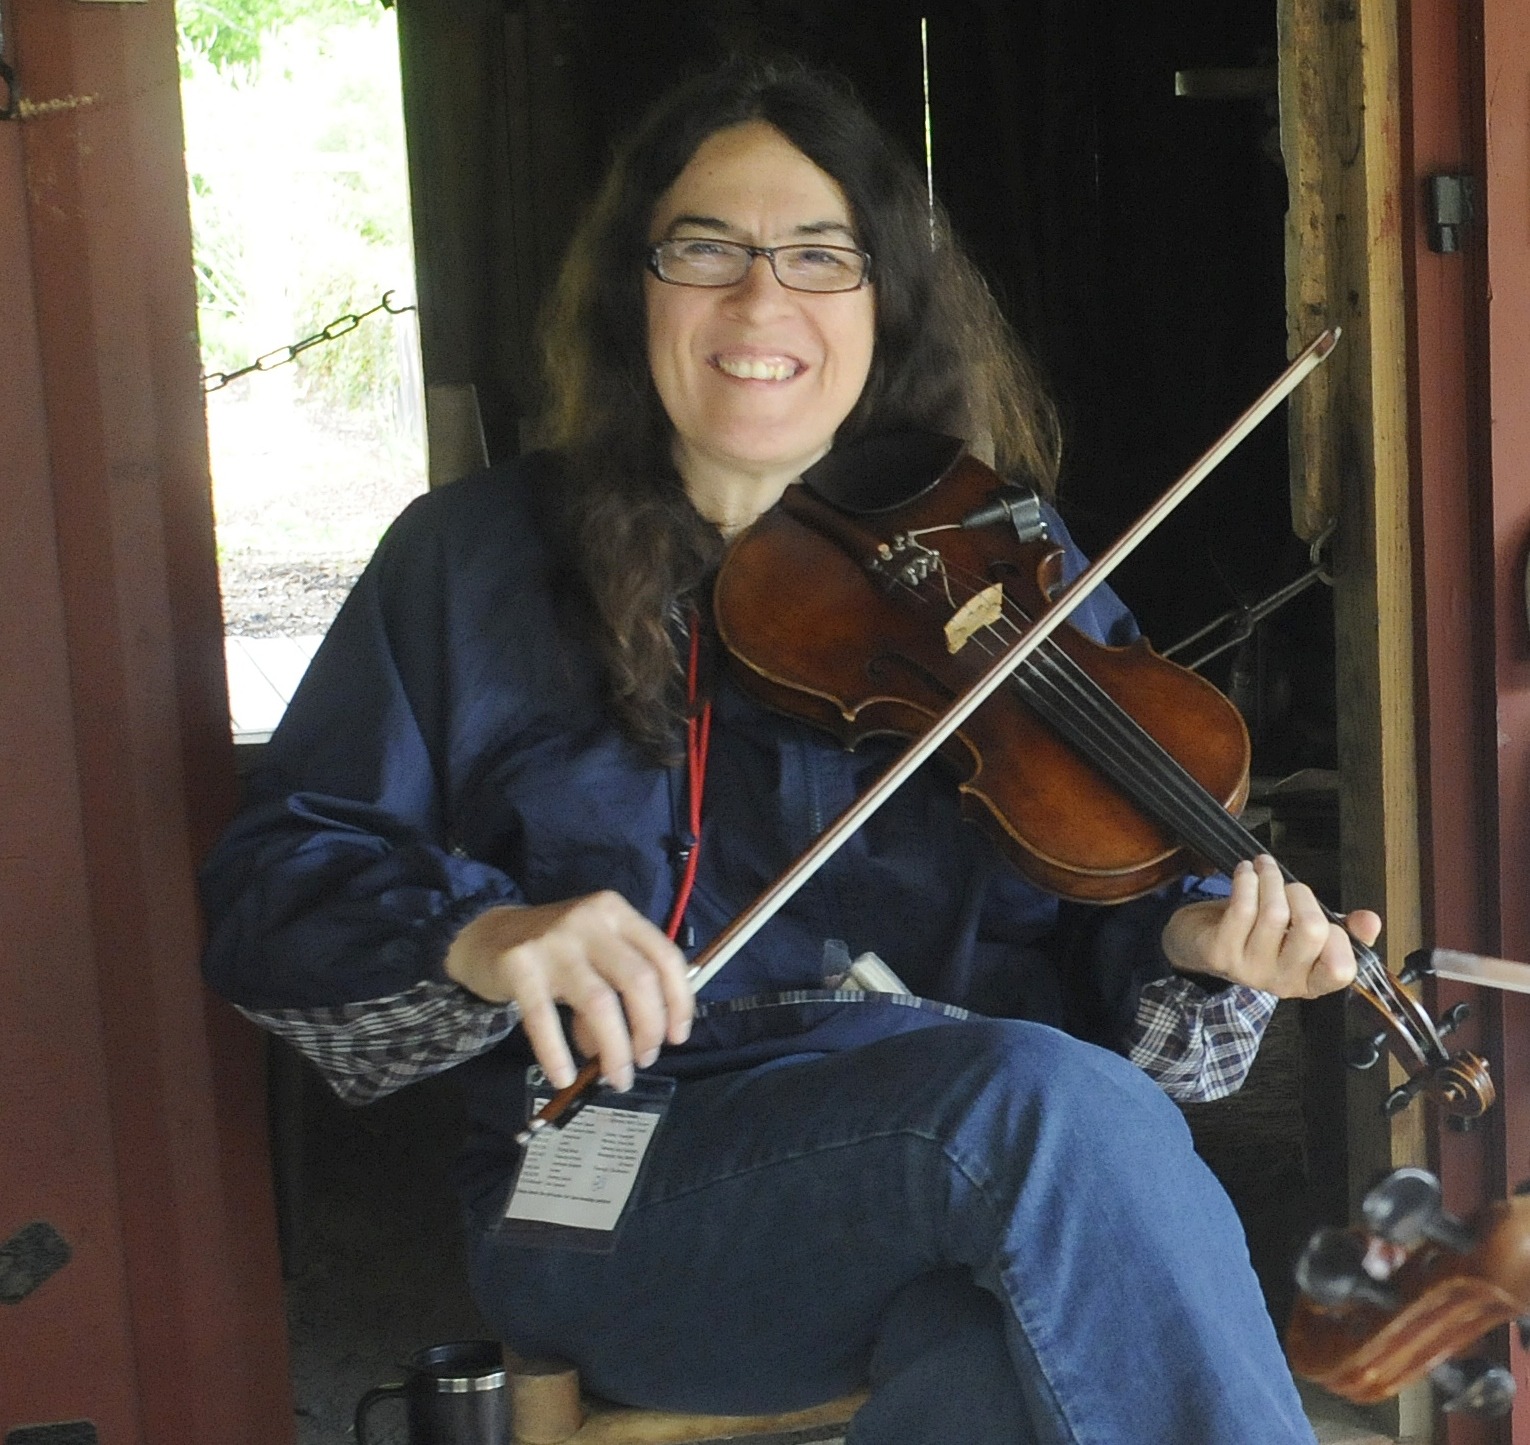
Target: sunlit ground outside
299,201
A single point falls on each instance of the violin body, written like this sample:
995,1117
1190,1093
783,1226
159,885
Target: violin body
820,631
1103,772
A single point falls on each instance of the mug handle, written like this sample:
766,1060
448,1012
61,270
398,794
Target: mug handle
374,1396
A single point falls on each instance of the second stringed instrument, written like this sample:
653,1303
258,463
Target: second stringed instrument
1387,1304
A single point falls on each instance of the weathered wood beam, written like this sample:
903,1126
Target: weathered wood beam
1340,128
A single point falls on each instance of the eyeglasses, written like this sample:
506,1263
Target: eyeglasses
702,261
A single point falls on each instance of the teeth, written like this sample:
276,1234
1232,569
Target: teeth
756,368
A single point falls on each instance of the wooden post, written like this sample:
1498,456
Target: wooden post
132,1106
1340,129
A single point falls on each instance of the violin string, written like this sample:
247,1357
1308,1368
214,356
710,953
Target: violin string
1068,698
1062,692
1056,685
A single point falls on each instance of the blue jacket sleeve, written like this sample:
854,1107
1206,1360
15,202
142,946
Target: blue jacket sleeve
338,882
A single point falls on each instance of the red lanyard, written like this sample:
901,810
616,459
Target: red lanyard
698,734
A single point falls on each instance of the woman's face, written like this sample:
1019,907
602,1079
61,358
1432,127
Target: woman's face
755,378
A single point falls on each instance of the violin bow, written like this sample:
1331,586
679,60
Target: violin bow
1476,968
727,944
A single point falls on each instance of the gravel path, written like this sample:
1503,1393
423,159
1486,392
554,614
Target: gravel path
301,497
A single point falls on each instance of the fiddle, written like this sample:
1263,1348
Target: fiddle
1385,1305
1102,772
820,545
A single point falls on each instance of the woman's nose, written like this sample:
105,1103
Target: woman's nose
758,285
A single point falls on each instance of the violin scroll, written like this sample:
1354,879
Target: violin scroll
1403,1298
1460,1083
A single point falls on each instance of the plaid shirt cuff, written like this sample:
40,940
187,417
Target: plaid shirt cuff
1197,1045
366,1050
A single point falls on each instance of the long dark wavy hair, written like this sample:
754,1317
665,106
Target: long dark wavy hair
943,359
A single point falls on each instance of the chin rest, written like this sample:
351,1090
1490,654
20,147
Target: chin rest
547,1408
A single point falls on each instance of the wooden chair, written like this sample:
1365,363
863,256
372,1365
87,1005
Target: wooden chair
548,1408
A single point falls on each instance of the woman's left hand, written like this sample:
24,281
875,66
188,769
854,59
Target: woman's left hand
1269,934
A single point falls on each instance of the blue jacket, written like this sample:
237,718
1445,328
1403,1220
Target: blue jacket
448,751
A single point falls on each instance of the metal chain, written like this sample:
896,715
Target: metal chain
217,380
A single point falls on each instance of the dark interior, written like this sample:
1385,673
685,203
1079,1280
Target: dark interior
1134,236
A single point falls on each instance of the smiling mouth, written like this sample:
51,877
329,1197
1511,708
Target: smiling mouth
757,368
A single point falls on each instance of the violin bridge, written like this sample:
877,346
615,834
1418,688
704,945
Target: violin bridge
978,612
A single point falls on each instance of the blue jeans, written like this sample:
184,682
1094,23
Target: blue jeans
1003,1230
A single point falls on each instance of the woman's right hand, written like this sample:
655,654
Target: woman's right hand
624,980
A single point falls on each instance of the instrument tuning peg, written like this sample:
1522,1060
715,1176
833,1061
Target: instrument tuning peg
1331,1272
1403,1095
1363,1054
1474,1387
1405,1208
1417,966
1453,1018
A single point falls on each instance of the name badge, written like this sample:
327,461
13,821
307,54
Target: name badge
575,1180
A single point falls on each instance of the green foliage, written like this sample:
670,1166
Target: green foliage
229,33
299,200
358,370
218,261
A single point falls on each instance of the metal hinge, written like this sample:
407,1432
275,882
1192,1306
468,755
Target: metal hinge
1451,201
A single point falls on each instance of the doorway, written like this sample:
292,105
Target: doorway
299,199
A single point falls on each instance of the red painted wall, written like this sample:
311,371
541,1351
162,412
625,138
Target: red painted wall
132,1109
1506,131
1467,110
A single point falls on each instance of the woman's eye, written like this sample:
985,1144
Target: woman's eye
814,259
700,249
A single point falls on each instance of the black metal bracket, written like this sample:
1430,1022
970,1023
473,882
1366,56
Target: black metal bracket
1452,204
34,1253
9,101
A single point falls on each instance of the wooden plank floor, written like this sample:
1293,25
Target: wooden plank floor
263,673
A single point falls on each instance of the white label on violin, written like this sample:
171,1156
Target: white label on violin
580,1175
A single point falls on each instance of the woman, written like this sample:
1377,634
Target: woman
477,815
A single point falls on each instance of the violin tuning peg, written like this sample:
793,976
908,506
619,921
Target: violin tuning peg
1405,1208
1403,1095
1453,1018
1362,1054
1398,1206
1474,1387
1331,1272
1417,966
